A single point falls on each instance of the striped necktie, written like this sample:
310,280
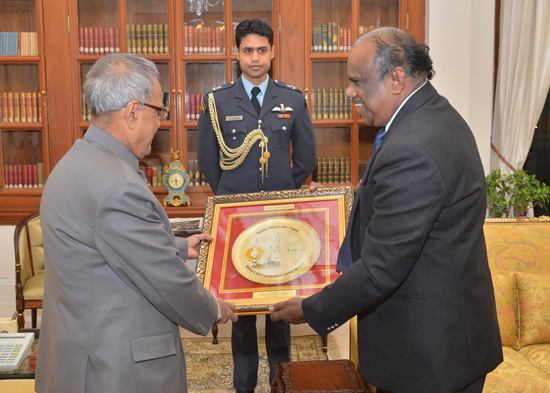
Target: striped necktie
345,259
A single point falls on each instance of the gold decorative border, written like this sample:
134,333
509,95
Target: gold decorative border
214,205
518,219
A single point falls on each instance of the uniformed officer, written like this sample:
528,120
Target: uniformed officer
244,145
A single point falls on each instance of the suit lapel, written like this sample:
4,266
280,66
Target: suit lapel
243,101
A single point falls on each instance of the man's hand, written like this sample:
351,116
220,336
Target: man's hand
193,244
314,185
226,310
289,311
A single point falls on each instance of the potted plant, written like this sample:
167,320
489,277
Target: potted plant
513,194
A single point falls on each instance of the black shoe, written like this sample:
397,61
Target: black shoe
248,391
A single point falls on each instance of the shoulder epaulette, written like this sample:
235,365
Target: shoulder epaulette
222,87
283,84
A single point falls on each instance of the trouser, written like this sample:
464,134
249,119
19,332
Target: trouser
244,346
474,387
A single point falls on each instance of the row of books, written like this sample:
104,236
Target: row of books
196,177
23,43
203,40
24,175
149,39
86,112
330,38
330,104
193,106
98,40
21,107
333,169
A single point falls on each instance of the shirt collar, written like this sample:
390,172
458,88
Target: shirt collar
401,106
249,85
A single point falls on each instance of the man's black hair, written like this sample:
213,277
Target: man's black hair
253,26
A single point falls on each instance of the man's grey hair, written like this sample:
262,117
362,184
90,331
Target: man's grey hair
116,79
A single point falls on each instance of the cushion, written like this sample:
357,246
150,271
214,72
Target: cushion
516,374
34,287
538,354
534,308
505,296
518,246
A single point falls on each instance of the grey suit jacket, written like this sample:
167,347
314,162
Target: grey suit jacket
117,285
420,283
237,117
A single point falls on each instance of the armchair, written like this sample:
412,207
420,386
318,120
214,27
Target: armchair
29,269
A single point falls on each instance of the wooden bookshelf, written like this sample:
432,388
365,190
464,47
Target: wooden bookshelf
194,53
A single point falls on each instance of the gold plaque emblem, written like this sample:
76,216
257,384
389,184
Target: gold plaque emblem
276,250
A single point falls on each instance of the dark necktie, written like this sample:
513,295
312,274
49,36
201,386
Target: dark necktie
345,259
254,99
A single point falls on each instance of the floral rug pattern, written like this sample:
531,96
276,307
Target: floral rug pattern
210,367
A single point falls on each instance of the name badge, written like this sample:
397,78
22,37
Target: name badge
233,118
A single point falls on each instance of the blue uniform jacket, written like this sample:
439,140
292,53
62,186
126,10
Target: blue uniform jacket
286,168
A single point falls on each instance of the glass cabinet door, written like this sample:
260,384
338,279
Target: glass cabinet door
376,13
246,9
328,88
18,36
147,27
204,27
331,26
333,155
196,177
199,78
98,27
156,163
22,159
20,95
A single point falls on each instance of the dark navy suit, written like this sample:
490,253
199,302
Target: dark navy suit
291,127
420,283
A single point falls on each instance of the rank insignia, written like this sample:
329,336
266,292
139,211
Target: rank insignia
283,116
203,107
282,108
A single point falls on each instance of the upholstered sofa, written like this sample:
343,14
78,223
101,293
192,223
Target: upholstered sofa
519,258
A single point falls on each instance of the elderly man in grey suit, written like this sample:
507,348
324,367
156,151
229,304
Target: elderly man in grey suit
117,285
418,277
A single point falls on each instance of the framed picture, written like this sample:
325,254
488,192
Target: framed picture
271,246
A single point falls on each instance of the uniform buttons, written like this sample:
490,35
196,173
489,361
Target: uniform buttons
234,137
233,130
284,128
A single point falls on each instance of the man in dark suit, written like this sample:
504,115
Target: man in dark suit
418,276
245,133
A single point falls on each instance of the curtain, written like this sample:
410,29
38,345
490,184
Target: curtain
523,80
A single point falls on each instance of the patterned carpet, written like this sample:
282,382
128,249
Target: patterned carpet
210,367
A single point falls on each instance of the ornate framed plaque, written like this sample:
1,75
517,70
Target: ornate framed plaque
271,246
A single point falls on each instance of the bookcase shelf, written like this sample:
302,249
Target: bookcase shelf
186,74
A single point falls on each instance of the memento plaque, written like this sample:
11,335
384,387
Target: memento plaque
276,250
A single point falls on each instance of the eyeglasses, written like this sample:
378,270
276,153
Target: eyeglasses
162,112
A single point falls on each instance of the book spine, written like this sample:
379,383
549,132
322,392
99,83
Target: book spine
39,106
4,107
150,39
34,108
116,39
16,108
138,39
34,176
324,38
23,107
81,41
83,107
165,38
40,174
155,30
10,107
87,40
154,176
196,43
